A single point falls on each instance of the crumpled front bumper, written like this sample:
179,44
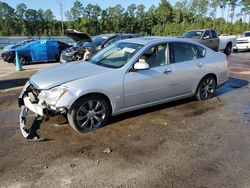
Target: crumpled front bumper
24,99
26,105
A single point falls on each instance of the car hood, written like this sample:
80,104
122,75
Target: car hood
77,35
54,76
242,38
8,47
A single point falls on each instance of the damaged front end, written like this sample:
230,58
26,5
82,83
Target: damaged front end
31,99
9,56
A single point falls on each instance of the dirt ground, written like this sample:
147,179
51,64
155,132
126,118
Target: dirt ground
178,144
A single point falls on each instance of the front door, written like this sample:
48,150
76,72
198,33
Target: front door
39,51
146,86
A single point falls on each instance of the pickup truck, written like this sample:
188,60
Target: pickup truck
209,38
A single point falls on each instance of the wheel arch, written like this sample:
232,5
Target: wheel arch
102,95
230,42
209,74
197,94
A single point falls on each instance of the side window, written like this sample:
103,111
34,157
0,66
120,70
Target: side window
186,52
201,52
214,35
207,35
156,56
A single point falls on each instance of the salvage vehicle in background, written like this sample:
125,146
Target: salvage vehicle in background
88,44
127,75
13,46
36,51
209,38
243,42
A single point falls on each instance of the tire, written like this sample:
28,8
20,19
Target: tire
235,50
206,88
228,49
88,113
22,60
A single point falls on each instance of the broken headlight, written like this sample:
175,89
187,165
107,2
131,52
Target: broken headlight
53,95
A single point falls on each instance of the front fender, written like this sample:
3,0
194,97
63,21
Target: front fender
68,99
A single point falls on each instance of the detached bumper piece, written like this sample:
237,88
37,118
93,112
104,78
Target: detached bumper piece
31,133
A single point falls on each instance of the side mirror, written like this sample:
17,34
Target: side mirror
141,65
206,37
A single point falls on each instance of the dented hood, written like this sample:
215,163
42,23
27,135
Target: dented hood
77,35
60,74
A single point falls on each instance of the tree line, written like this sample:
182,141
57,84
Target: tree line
163,19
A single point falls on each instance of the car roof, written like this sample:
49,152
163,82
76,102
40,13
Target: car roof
156,39
112,35
201,30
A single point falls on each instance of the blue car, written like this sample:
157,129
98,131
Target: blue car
36,51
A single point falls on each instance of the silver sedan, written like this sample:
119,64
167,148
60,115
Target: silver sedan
128,75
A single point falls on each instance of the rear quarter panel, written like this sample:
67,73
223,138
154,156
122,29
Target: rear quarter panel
216,63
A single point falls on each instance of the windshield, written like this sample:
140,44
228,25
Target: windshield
193,34
247,34
116,55
98,40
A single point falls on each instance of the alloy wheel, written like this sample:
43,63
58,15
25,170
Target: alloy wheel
207,88
91,115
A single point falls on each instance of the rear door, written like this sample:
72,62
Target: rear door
187,60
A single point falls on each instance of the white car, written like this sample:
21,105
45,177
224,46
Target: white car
243,42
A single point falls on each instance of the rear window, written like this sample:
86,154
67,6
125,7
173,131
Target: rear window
193,34
186,52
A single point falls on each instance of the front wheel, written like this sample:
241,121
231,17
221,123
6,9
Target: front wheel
22,60
206,88
88,113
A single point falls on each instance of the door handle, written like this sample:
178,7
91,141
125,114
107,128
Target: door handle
200,65
167,71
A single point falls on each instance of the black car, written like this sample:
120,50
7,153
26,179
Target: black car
87,46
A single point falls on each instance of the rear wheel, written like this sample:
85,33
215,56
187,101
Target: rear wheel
206,88
88,113
228,49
